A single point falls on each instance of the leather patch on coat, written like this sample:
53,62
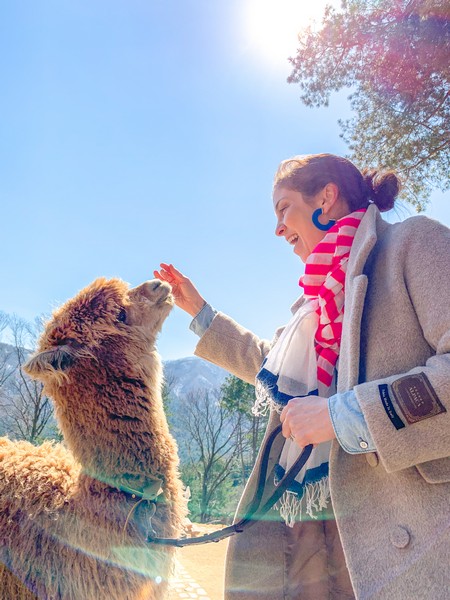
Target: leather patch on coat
416,398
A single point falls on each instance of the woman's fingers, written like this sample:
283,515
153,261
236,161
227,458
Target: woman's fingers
159,275
286,429
173,270
186,294
170,273
165,273
307,420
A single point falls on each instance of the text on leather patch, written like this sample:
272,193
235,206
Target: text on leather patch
389,407
416,397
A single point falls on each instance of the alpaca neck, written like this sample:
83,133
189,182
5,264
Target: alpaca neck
121,433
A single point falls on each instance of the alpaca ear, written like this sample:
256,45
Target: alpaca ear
55,359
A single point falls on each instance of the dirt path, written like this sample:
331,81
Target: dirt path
200,571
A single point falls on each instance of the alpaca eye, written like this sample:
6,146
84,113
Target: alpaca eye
122,316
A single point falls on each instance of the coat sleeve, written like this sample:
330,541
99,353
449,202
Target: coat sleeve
408,414
232,347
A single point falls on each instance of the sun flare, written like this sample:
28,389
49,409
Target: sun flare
272,26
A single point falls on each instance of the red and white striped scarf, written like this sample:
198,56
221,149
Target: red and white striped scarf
324,279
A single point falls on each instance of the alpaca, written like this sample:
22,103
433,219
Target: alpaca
74,518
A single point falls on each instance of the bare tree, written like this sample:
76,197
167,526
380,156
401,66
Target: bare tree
210,443
28,410
167,389
4,321
6,366
7,369
393,57
239,396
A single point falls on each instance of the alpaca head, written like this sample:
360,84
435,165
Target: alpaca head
97,359
104,315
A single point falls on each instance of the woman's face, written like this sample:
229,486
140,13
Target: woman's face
294,221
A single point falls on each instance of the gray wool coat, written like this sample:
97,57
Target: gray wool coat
392,507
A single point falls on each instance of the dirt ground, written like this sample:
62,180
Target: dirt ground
206,563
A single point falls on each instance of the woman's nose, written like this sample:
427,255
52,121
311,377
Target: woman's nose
280,229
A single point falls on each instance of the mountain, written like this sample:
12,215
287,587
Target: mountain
191,374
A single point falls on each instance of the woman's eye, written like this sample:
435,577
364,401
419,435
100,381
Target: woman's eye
122,316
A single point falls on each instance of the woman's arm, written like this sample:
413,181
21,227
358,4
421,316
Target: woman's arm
232,347
224,343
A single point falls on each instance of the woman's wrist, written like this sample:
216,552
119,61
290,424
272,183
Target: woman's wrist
196,307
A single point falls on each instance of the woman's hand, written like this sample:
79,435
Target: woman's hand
185,293
307,420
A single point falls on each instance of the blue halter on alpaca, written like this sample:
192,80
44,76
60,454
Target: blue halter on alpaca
315,219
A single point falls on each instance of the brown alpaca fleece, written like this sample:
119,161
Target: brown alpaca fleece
72,525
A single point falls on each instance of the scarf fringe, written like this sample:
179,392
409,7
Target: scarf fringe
315,498
264,403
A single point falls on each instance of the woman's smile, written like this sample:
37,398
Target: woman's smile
294,221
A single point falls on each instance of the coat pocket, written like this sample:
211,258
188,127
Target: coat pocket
435,471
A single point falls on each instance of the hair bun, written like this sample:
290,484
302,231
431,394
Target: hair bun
383,188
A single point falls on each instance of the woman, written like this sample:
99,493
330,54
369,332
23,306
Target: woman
362,371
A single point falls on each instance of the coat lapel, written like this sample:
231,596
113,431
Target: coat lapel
355,293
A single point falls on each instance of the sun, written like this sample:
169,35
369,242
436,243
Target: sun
272,26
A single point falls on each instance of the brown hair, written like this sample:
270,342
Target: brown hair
310,173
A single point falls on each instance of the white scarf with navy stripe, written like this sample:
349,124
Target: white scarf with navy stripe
290,370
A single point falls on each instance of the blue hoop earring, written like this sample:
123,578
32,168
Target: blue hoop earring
315,219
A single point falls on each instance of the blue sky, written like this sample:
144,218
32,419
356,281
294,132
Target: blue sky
134,132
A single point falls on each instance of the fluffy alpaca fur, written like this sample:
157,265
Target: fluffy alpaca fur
72,526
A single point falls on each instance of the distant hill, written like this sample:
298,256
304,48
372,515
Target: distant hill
8,354
192,374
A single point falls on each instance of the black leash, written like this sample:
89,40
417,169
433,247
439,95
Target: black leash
254,510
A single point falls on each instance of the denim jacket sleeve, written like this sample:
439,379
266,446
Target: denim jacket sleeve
349,424
202,320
